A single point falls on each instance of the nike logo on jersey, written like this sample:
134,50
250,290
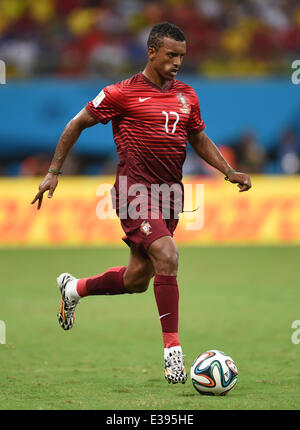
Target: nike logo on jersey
145,98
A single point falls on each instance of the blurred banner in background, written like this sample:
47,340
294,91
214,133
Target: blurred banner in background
269,215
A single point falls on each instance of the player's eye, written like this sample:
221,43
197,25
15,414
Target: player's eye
173,55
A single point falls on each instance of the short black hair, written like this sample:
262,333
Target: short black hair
164,29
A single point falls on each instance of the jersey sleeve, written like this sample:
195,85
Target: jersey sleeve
195,123
107,105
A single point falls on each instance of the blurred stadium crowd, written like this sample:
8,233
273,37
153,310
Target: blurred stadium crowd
107,38
87,37
246,154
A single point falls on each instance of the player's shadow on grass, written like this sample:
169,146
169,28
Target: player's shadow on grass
189,394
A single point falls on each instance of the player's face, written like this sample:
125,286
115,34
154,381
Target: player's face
167,59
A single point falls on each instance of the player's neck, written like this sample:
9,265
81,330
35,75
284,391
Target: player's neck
154,77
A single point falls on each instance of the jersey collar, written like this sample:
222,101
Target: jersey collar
163,90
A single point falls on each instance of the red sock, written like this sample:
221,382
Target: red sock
167,298
110,282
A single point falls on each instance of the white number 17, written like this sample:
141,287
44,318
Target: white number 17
167,121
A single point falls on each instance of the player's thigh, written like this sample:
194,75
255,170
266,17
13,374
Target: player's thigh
139,271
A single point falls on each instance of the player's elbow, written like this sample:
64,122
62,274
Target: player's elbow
82,120
77,124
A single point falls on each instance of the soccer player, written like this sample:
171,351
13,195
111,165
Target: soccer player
153,116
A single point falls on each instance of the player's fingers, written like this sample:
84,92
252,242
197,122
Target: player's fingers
244,187
39,198
50,194
40,202
36,197
34,200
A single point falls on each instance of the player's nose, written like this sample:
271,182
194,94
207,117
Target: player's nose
176,65
177,62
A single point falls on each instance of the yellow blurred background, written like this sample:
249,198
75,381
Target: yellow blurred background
268,214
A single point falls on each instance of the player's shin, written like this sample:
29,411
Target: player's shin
110,282
167,300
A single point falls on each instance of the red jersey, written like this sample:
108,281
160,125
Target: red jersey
150,128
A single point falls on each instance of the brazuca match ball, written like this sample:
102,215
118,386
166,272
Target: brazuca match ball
214,373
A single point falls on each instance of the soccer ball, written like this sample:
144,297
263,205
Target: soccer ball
214,373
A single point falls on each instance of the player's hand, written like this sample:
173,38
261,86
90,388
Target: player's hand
49,182
242,179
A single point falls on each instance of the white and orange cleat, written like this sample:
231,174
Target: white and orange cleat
66,314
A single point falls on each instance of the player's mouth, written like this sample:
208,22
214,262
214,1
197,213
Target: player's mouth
173,72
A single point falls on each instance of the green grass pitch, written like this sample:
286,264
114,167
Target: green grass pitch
239,300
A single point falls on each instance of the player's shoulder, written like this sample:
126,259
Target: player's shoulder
131,81
121,87
185,89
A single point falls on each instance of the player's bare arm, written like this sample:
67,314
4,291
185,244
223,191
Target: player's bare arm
67,139
209,152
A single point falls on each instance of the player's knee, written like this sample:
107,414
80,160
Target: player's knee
139,285
164,255
172,261
167,262
139,288
138,281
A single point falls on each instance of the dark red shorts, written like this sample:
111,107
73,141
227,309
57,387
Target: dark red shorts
143,232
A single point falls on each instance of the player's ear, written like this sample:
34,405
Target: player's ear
151,52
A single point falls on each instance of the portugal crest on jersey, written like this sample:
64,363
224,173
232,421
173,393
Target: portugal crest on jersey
185,108
145,228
